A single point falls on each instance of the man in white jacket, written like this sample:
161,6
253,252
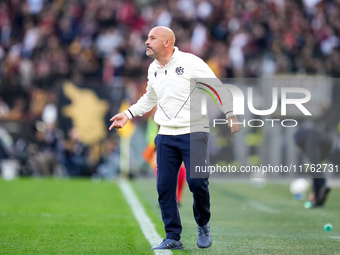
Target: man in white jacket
169,87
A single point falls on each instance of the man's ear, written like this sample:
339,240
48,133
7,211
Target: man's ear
166,43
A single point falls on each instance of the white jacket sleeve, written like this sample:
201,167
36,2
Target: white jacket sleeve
207,76
144,104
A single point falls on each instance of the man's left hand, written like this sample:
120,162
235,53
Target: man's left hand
234,124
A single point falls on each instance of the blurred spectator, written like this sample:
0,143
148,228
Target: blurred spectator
6,144
251,29
44,152
108,40
42,40
75,154
109,167
35,6
31,37
236,51
4,109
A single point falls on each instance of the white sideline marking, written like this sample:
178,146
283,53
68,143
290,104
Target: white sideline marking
335,237
145,223
262,208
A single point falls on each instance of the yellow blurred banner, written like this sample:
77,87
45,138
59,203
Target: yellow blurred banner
87,112
129,128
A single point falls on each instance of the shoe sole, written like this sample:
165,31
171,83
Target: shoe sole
178,248
204,247
181,247
175,248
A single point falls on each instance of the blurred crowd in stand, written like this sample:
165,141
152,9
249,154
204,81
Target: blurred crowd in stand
44,42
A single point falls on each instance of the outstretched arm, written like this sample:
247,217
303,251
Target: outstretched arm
119,120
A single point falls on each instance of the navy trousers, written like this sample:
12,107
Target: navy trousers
192,149
318,184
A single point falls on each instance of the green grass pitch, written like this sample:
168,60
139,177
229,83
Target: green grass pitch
78,216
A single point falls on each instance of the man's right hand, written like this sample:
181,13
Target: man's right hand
119,120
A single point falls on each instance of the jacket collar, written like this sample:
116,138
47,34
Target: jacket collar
176,50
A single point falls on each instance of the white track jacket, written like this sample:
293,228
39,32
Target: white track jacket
169,88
